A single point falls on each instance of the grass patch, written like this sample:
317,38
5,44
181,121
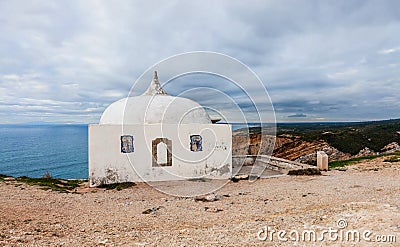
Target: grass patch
2,176
53,184
47,182
392,159
199,179
117,186
341,163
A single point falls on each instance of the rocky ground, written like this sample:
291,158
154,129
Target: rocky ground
365,197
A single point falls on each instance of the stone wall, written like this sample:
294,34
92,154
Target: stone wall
108,164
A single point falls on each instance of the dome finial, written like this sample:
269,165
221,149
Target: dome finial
155,87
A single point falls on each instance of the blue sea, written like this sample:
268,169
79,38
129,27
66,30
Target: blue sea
33,150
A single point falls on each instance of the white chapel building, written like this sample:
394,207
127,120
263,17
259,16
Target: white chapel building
157,137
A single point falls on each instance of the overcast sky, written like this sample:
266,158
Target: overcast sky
65,61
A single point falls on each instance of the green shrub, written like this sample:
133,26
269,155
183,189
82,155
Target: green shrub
346,137
342,163
392,159
117,186
2,176
54,184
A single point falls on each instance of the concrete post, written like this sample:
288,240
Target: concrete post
322,161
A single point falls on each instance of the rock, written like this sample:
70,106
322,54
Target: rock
9,179
244,143
213,209
249,161
104,241
236,178
365,152
308,172
151,210
332,152
207,198
391,147
142,243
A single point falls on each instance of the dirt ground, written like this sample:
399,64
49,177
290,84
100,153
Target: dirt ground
365,197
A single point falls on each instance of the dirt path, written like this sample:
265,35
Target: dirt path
366,196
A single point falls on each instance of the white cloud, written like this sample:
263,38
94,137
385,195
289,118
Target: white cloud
388,51
344,73
73,57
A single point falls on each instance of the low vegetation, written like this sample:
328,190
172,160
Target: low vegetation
2,176
342,163
307,172
347,137
47,182
53,184
392,157
117,186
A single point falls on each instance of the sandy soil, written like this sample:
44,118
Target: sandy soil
366,196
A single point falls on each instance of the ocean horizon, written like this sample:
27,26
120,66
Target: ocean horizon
33,150
60,149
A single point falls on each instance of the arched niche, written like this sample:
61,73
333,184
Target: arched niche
162,152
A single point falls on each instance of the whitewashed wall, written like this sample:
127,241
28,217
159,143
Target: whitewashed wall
108,165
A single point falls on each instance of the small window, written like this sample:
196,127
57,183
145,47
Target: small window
196,143
127,144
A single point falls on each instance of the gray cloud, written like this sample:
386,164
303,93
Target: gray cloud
298,115
67,60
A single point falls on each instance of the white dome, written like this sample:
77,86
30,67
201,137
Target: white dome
155,106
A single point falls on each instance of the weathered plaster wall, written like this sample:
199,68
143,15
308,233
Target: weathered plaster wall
108,165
